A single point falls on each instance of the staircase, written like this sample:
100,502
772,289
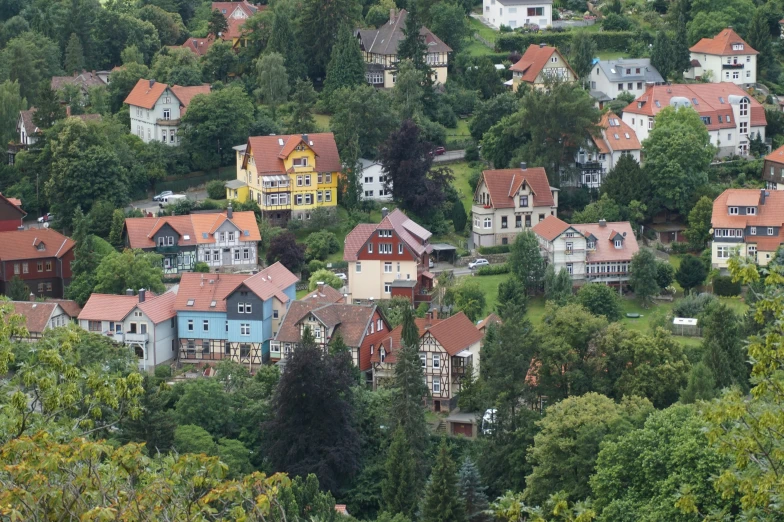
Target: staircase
441,428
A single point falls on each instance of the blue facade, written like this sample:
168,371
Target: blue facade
216,325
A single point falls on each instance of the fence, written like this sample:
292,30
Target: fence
488,43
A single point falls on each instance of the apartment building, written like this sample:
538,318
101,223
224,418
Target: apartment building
518,13
610,78
723,58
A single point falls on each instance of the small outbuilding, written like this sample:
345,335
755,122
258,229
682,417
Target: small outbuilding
465,424
685,326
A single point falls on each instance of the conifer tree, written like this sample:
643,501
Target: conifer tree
442,502
17,289
681,56
662,54
118,223
472,491
217,23
401,485
346,67
304,98
74,55
285,40
760,40
459,217
412,46
48,107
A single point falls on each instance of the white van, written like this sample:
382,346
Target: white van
173,198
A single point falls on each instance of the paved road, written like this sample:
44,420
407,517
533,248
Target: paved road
450,155
148,205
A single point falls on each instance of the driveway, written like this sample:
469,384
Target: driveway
450,156
148,205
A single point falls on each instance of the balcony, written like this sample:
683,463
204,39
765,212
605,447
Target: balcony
14,147
172,249
136,337
732,66
589,165
167,123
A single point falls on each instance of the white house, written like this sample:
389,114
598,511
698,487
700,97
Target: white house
730,114
156,109
146,324
518,13
610,78
617,139
373,179
724,58
590,252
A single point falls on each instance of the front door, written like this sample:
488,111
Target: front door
226,258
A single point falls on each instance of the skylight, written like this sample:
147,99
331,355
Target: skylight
213,304
186,237
694,101
191,302
627,135
615,135
657,103
204,235
721,99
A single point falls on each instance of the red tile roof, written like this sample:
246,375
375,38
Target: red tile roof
326,295
186,94
70,307
412,234
25,244
503,184
271,282
454,334
721,45
605,246
770,214
709,98
36,314
234,29
356,239
203,289
392,342
159,308
777,156
534,60
551,228
14,203
106,307
200,46
145,95
487,321
141,231
266,152
617,135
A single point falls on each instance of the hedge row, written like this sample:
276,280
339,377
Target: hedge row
605,40
500,249
723,286
493,270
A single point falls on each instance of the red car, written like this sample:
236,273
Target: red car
439,151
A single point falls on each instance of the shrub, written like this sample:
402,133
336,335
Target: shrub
163,371
606,40
498,249
693,305
216,189
723,286
472,154
493,270
321,244
679,248
202,267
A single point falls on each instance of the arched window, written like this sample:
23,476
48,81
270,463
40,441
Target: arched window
744,107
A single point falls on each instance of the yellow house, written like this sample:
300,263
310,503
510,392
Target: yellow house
287,175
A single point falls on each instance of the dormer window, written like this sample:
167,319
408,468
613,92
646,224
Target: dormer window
737,47
751,211
618,243
41,247
383,354
591,245
523,201
733,211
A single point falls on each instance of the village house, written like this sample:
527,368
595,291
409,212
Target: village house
374,181
28,131
232,316
360,326
590,252
224,239
732,117
11,213
388,259
518,13
146,324
379,48
236,14
749,222
288,176
610,78
617,139
539,65
83,80
40,316
156,109
509,201
723,58
41,258
447,347
773,170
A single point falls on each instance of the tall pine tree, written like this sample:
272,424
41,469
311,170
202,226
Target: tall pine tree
401,486
412,46
681,56
74,55
285,40
442,502
662,54
759,39
346,67
472,491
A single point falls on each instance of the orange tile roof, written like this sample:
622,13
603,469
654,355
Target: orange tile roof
209,222
550,228
722,43
617,134
534,60
456,333
326,295
186,94
159,308
708,96
271,282
141,231
234,29
605,247
266,152
107,307
200,46
487,321
769,214
203,289
777,156
392,341
355,239
504,183
23,244
145,95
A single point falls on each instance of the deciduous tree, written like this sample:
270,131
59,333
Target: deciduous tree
320,20
700,223
449,23
132,269
17,289
583,50
284,248
11,102
273,80
600,299
469,298
691,273
217,24
525,261
643,275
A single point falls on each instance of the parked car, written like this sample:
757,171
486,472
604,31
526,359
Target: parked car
488,420
162,195
430,263
171,198
478,263
439,151
46,218
341,276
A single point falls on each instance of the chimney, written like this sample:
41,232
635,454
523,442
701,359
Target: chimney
320,286
523,165
129,292
384,212
152,82
31,297
392,15
763,194
602,222
345,298
229,212
542,45
142,295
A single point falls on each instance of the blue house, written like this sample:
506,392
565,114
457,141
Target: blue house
232,316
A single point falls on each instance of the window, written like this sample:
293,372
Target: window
591,245
639,86
370,248
744,127
244,328
751,211
436,360
569,268
722,252
205,346
379,324
729,118
488,223
16,268
503,222
236,254
569,247
744,107
733,211
327,196
618,243
387,288
629,86
308,199
172,135
400,248
753,231
300,162
518,221
190,325
620,87
206,325
40,266
387,268
368,193
536,11
215,255
436,386
163,136
523,201
307,180
319,196
240,308
385,248
299,181
25,268
706,120
94,326
166,114
770,231
359,267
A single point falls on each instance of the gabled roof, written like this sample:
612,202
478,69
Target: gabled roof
84,80
26,121
266,151
108,307
605,246
454,334
351,321
613,70
159,308
326,295
141,231
204,289
271,282
550,228
200,46
386,39
145,94
13,203
777,156
36,314
721,45
20,245
503,184
487,321
414,236
186,94
227,8
533,61
713,100
71,308
769,214
617,135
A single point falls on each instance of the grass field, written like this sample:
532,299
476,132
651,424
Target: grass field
462,173
322,120
610,55
460,132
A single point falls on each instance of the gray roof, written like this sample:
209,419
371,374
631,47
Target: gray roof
235,184
599,95
403,283
648,73
386,38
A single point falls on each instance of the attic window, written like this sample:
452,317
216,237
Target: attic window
191,302
204,235
616,136
657,103
627,135
280,141
614,122
213,304
721,99
41,247
737,47
639,105
246,232
694,101
186,237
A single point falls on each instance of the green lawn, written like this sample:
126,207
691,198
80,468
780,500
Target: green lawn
610,55
460,132
484,31
489,285
462,173
322,120
477,48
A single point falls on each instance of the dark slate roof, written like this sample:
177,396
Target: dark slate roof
386,38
